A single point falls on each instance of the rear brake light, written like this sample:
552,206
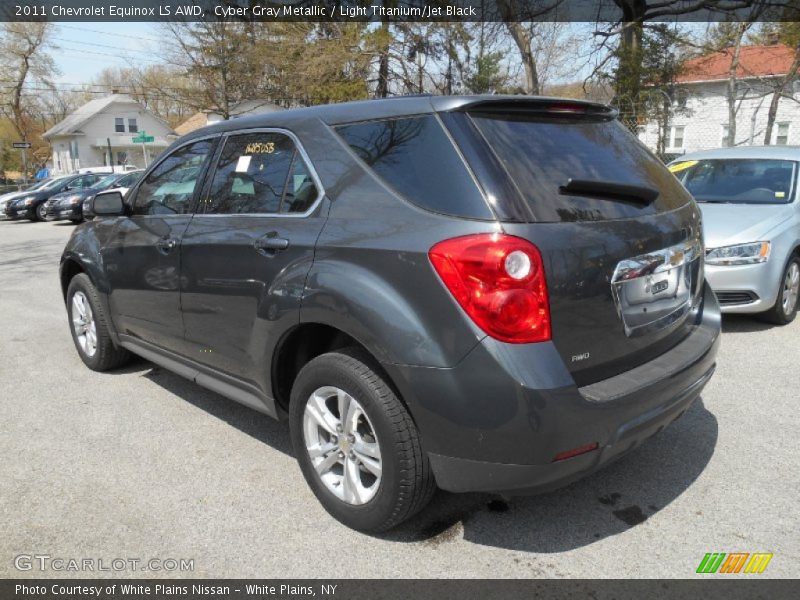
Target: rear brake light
567,107
499,281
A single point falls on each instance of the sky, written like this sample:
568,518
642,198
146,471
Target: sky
85,49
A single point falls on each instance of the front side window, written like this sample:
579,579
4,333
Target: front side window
132,127
119,125
170,187
740,180
417,159
260,173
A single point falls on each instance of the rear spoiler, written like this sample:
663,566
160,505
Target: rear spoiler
544,106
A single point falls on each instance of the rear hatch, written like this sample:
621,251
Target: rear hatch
619,236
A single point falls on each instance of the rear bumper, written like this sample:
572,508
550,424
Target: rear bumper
497,420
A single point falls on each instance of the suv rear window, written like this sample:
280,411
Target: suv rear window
540,154
417,159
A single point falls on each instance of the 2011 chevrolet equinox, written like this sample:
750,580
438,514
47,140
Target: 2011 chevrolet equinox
477,293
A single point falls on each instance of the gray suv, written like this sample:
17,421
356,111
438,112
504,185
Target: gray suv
477,293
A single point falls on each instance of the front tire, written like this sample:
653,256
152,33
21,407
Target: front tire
356,443
785,308
89,327
41,212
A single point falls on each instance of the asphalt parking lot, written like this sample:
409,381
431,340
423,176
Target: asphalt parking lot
141,464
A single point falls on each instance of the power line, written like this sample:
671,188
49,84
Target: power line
117,56
133,37
95,44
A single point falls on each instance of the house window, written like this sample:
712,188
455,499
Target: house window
681,97
119,125
132,127
782,135
676,138
725,131
122,157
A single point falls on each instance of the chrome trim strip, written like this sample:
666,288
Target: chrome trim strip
656,262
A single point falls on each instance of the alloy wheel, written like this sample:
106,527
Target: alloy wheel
791,288
342,445
83,324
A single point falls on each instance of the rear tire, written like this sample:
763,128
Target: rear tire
784,310
89,327
384,440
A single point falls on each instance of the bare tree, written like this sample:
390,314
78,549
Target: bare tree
526,26
788,33
219,60
732,84
24,59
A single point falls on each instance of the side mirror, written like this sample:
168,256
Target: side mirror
108,204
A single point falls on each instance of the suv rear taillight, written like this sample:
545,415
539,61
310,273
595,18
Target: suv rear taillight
499,281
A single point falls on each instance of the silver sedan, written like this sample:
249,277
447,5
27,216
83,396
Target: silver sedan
751,220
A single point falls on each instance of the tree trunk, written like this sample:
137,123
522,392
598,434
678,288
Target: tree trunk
731,87
629,53
776,96
522,38
382,89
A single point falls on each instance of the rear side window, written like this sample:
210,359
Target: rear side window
261,173
415,157
128,180
540,154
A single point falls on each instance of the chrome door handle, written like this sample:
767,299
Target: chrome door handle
166,244
271,243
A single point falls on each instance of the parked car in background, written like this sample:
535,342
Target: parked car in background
108,169
484,293
122,186
8,197
31,205
751,217
69,204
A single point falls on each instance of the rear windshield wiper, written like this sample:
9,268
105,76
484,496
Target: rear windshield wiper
610,190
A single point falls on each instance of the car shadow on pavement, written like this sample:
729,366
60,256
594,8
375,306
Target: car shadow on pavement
623,495
744,324
609,502
255,424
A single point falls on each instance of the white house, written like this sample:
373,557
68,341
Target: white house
84,137
699,118
207,117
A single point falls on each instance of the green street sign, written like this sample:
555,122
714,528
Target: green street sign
142,138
